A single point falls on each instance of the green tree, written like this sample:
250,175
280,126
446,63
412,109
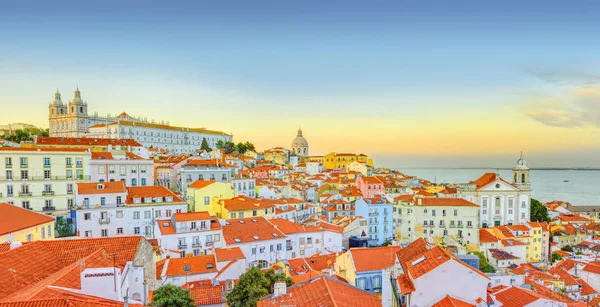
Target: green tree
274,277
567,248
387,242
538,212
484,265
252,286
229,147
172,296
241,147
19,136
556,257
220,145
63,228
205,146
250,146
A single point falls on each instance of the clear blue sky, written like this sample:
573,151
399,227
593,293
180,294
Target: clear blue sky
481,79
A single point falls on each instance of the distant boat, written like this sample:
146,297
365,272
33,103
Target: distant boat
566,180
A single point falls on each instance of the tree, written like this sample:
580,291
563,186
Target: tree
556,257
484,265
172,296
19,136
220,145
250,146
229,147
252,286
538,212
63,228
241,148
205,146
387,242
567,248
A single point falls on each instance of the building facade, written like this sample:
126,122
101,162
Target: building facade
501,202
42,179
72,120
122,166
378,211
300,145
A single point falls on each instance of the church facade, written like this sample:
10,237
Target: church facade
300,145
72,120
501,202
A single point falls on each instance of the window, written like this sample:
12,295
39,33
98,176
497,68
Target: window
88,233
168,212
69,174
361,283
241,215
79,162
120,230
69,188
136,215
133,170
8,162
232,215
136,230
122,170
279,246
523,205
148,231
262,250
48,204
105,232
143,170
484,202
469,223
484,212
9,190
376,282
9,175
100,169
143,181
68,162
254,251
254,213
133,182
445,232
455,212
196,252
147,214
102,201
47,174
497,205
43,234
207,200
23,161
79,174
24,175
87,216
433,212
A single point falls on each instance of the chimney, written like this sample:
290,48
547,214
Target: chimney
125,301
279,289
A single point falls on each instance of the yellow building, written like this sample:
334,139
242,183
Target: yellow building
524,235
344,267
534,252
22,225
341,160
277,155
42,179
204,195
434,188
359,167
243,207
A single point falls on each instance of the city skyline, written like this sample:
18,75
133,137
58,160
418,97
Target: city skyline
412,85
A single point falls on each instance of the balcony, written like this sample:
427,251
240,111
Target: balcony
209,243
42,178
459,226
49,208
69,165
8,165
196,244
46,165
112,205
47,193
24,165
104,221
288,247
78,165
452,226
469,226
22,193
182,246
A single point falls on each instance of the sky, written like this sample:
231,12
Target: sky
411,83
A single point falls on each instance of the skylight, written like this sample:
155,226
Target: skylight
237,240
255,237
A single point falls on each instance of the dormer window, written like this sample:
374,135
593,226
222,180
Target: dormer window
237,240
255,237
137,200
158,199
100,186
148,200
169,199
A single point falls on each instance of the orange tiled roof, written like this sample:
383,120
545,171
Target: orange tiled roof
84,141
203,292
289,227
250,230
445,201
102,155
375,258
486,236
412,251
322,291
19,149
199,184
24,267
488,178
517,297
13,218
191,216
246,203
592,268
94,187
406,285
194,265
449,301
227,254
150,191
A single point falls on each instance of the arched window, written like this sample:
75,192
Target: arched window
80,109
515,177
497,205
522,178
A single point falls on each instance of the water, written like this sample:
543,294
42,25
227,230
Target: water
582,188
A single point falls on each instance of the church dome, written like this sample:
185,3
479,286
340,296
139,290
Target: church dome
299,141
521,164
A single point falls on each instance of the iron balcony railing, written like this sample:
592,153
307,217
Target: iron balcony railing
47,193
103,221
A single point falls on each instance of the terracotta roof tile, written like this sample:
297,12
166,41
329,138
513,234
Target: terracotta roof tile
486,236
375,258
322,291
150,191
445,201
204,293
406,285
199,184
84,188
84,141
449,301
191,216
227,254
250,230
246,203
191,265
13,218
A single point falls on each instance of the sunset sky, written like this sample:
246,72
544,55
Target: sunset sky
412,83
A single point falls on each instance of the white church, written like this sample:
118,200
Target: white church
72,120
501,202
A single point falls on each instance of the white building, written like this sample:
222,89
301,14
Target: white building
42,179
244,186
109,209
122,166
72,120
501,202
194,170
193,233
306,241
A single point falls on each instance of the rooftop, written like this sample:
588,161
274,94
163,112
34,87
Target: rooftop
13,219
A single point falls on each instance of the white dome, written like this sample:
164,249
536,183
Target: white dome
521,164
299,141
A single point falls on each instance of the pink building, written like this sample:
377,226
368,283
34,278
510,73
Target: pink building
370,186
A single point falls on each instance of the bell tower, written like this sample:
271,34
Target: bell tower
521,172
77,122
